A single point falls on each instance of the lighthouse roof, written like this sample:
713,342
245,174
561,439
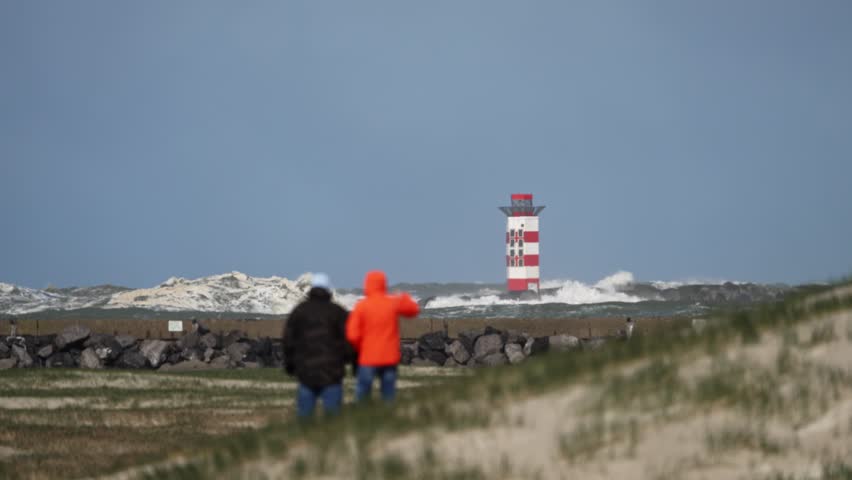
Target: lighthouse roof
522,206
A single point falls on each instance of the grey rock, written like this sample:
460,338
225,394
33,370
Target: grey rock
561,343
104,353
487,345
515,353
70,336
193,353
231,338
8,363
433,340
452,363
190,340
221,362
439,357
131,359
106,346
125,341
89,359
5,351
408,352
45,351
24,358
61,360
209,340
468,338
238,351
458,352
208,354
155,351
536,346
493,360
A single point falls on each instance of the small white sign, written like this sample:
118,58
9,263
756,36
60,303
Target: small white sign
175,326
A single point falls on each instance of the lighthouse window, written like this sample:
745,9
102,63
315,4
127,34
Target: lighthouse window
521,261
521,243
521,252
512,253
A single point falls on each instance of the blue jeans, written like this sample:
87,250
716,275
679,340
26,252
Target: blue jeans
306,399
387,379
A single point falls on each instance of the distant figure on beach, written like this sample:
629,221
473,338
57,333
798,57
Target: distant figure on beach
373,329
316,350
628,329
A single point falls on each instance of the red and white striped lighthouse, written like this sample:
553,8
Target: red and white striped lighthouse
522,243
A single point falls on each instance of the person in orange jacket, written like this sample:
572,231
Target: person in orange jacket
373,330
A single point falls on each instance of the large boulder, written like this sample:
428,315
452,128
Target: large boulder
232,337
125,341
106,346
89,359
452,363
71,336
221,362
5,350
433,341
261,347
437,356
561,343
131,358
190,340
536,346
208,354
24,358
238,351
155,351
61,360
487,345
209,340
8,363
515,353
458,352
493,360
468,338
193,353
45,351
407,353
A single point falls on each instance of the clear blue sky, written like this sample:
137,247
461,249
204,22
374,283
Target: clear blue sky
145,139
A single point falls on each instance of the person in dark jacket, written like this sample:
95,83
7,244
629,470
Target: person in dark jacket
316,350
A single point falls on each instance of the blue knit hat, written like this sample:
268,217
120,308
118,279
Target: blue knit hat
320,280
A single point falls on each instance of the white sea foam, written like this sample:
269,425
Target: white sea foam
570,292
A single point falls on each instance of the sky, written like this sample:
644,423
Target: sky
672,139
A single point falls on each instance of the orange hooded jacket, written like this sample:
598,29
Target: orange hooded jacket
373,325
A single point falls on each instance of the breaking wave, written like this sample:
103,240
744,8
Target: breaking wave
571,292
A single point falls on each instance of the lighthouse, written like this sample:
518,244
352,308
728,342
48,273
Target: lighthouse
522,243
